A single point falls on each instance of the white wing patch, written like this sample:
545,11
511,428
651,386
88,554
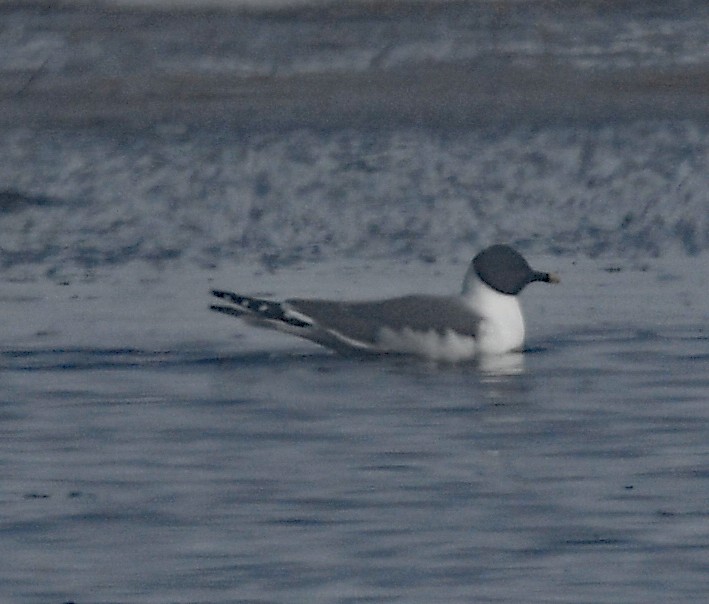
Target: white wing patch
352,343
292,314
450,346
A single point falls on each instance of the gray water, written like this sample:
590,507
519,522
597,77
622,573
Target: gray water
152,451
292,478
216,466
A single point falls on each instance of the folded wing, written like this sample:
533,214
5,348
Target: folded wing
367,322
432,326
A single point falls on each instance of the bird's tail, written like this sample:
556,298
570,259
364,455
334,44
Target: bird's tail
255,308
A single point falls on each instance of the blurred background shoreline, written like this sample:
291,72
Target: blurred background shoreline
354,64
166,132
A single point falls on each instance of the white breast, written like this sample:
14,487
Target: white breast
502,327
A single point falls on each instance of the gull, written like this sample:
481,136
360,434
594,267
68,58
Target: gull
484,319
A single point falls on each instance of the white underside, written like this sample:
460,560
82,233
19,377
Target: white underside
449,347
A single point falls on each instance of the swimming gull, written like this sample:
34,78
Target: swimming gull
485,319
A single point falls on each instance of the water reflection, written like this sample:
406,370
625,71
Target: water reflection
496,367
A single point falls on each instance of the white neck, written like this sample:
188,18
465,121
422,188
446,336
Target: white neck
502,326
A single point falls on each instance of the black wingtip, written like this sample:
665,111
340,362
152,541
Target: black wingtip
227,310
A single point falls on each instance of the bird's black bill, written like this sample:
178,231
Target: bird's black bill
545,277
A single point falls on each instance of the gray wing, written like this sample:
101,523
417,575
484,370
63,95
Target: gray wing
364,321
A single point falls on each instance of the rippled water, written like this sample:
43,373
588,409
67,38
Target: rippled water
152,451
290,478
237,469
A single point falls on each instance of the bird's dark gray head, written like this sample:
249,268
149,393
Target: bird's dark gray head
505,270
